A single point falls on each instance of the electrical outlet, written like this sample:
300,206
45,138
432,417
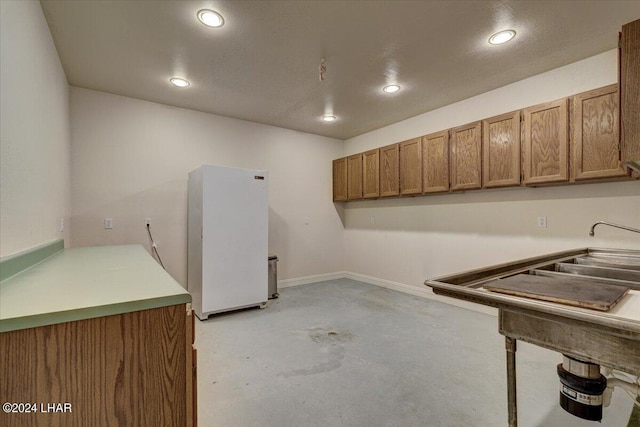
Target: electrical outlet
61,225
542,222
306,220
147,222
108,223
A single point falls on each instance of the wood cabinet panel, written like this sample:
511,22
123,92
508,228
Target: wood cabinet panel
501,150
340,180
191,371
595,134
108,368
371,174
411,167
530,147
354,177
630,93
546,143
435,162
390,170
466,157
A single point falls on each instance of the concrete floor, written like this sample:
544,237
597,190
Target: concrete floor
345,353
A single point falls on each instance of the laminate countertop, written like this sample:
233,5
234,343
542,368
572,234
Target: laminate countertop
84,283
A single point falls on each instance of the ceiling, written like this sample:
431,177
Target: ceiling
263,64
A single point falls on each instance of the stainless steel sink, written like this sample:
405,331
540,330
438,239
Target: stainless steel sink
595,265
609,264
613,267
607,338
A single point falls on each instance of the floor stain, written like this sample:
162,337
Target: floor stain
332,341
329,336
336,356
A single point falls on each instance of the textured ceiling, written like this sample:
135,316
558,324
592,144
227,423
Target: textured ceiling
262,65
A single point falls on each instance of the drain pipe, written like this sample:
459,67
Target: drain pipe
631,387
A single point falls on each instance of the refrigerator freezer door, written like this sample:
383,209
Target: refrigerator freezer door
234,238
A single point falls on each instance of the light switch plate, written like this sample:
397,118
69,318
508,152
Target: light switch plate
108,223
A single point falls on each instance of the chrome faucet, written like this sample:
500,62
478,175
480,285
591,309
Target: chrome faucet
592,232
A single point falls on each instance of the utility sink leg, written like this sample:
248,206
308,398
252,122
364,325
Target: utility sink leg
510,344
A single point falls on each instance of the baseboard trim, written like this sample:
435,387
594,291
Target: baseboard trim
421,292
396,286
388,284
296,281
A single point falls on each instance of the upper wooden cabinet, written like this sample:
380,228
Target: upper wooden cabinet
630,93
340,180
501,150
570,140
435,162
411,167
371,174
466,157
390,170
546,143
354,177
594,135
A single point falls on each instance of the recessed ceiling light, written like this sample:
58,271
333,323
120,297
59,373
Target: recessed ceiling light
210,18
391,88
502,37
328,118
177,81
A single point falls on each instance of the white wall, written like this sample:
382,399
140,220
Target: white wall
34,130
130,160
418,238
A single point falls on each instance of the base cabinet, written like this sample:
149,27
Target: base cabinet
131,369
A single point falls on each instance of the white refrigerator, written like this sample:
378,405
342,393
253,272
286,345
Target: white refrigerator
227,248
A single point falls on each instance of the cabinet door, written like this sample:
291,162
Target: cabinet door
435,162
371,174
389,170
501,150
630,93
411,167
354,177
594,134
466,157
546,143
108,368
340,180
